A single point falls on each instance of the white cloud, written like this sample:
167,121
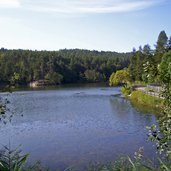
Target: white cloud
9,3
90,6
80,6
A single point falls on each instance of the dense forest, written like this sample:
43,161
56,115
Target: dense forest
145,62
20,67
147,65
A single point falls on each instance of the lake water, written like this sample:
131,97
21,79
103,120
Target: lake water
75,126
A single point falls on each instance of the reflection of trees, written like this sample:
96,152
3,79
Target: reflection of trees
121,105
143,108
122,108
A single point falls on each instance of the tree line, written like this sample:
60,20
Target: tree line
147,65
64,66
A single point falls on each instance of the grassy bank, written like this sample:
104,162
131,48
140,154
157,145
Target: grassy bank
146,100
143,101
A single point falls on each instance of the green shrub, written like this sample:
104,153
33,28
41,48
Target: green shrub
126,89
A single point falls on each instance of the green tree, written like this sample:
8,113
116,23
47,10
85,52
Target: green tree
162,137
132,66
71,64
161,47
147,50
162,42
15,79
120,77
137,60
54,78
165,69
93,76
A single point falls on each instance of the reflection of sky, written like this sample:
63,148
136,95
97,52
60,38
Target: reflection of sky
61,127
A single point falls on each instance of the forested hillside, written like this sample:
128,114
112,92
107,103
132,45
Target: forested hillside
64,66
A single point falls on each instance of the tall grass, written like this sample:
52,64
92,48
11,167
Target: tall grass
12,160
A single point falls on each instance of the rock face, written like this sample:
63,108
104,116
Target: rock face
39,83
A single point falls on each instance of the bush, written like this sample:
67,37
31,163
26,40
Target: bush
126,90
120,77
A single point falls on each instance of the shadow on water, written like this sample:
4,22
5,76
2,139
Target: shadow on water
56,87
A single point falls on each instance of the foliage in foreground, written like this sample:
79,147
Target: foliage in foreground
128,165
12,160
138,163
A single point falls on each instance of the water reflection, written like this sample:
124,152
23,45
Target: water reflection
126,111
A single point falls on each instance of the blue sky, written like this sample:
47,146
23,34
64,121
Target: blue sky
108,25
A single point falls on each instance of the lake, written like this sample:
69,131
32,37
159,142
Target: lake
75,126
